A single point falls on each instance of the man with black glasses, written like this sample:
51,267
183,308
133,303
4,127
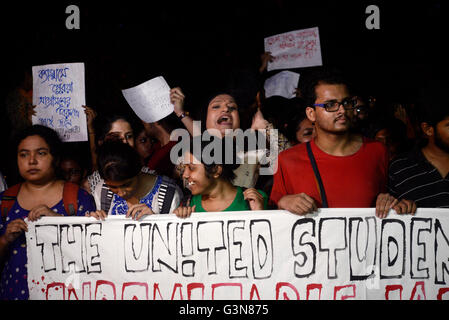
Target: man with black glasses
337,169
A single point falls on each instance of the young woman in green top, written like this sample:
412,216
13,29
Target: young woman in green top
210,184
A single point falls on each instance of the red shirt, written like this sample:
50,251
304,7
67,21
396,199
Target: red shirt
160,158
349,181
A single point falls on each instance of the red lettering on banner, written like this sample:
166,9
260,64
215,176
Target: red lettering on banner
441,292
71,291
176,286
284,294
314,286
135,284
191,287
85,284
55,285
218,285
421,293
156,287
105,283
390,288
284,45
340,288
254,290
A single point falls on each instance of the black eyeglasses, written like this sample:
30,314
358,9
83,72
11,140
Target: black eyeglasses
333,106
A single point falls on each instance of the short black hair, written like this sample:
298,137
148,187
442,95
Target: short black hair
170,123
118,161
49,135
322,76
433,105
226,151
298,106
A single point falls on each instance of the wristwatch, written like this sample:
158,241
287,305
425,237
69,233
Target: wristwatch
182,115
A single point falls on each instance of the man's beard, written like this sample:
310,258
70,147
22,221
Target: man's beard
440,143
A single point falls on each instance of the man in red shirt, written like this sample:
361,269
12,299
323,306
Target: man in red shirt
353,169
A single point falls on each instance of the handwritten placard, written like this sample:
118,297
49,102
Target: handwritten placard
150,100
59,94
294,49
282,84
336,254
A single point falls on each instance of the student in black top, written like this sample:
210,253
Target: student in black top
422,175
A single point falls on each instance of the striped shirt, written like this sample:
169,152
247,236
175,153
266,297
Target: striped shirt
413,177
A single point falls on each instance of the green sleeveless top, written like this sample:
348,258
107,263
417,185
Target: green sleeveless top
239,203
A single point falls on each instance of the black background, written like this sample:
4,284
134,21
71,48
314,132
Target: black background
195,45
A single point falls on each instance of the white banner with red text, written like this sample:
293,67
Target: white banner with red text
335,254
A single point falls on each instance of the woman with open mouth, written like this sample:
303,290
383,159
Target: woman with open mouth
222,118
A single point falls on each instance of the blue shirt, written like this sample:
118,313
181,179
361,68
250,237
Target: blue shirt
13,281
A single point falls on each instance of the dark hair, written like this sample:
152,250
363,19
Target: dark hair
138,128
170,123
433,105
103,124
50,137
76,152
324,76
118,161
295,120
205,101
227,145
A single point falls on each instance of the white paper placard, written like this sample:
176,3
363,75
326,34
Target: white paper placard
150,100
282,84
59,94
294,49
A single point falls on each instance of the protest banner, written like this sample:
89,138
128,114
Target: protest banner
294,49
59,94
336,254
150,100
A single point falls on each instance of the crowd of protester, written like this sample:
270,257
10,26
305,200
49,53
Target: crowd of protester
337,148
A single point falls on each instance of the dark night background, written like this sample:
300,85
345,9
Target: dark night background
199,46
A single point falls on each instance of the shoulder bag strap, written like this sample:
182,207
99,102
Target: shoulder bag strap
166,194
106,198
317,176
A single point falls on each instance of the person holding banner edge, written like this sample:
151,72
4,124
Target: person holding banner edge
134,193
338,168
210,182
422,174
41,194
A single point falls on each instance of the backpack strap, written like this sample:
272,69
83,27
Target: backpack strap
166,193
70,198
106,198
8,200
